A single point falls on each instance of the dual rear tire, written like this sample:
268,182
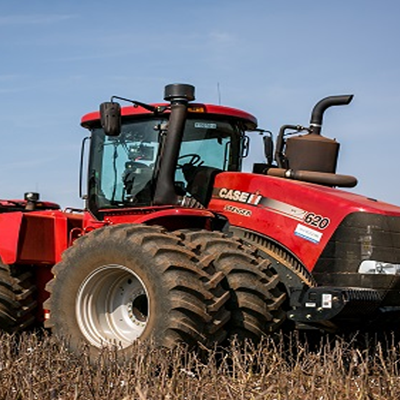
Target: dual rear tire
126,282
17,298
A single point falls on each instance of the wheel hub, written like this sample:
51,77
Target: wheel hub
112,306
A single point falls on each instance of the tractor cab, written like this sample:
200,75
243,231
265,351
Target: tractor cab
156,155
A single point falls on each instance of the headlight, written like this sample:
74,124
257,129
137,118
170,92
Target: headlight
378,267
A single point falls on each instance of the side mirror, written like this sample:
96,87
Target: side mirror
110,118
268,148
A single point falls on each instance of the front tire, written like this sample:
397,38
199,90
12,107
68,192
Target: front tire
126,282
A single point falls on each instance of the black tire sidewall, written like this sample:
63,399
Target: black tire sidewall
91,255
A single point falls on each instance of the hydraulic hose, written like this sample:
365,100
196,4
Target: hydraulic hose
279,156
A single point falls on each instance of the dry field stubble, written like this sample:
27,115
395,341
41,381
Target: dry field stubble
35,366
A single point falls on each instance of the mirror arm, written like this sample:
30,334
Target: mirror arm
148,107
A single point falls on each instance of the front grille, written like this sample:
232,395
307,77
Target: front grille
361,236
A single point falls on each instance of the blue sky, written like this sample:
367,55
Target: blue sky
275,59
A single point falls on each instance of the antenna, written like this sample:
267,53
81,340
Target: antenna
219,93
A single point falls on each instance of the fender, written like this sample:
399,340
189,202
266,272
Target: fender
171,218
38,237
10,225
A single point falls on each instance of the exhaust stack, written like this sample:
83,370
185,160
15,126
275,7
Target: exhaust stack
319,109
314,152
179,95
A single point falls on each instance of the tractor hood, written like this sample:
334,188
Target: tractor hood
301,216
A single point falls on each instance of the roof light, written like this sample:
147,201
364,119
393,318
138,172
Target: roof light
196,109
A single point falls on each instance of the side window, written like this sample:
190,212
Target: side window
127,164
114,159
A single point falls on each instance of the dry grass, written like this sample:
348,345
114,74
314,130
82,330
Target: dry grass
35,366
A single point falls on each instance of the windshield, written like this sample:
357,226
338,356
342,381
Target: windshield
123,169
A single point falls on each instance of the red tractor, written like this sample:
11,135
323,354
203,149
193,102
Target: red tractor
177,244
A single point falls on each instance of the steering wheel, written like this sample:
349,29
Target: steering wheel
194,160
136,178
135,169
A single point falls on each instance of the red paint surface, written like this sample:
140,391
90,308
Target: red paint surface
210,109
330,203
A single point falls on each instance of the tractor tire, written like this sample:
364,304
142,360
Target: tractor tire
256,298
126,282
17,303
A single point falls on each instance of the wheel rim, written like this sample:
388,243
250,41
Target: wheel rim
112,306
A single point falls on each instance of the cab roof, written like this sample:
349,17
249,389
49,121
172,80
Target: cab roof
92,119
